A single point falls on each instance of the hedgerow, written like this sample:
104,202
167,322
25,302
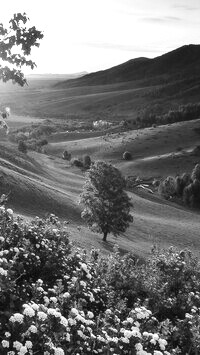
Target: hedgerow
57,299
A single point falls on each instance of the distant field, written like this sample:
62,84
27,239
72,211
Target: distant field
114,102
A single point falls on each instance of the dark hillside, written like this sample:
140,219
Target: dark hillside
179,63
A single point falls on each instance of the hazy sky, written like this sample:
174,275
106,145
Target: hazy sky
91,35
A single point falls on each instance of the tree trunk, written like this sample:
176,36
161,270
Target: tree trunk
105,236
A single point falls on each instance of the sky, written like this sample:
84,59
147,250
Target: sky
91,35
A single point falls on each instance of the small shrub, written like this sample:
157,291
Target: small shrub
196,172
127,155
167,187
77,162
66,155
86,161
42,142
22,147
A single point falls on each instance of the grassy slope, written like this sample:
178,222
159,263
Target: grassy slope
54,187
146,145
112,102
41,184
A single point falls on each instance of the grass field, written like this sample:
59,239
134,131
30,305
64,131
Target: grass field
45,183
114,102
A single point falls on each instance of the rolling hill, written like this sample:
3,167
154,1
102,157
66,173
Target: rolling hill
180,63
119,93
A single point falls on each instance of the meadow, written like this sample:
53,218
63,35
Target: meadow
42,183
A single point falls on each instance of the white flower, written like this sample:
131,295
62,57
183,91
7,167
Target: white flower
53,312
28,311
66,295
17,345
35,306
59,351
2,239
125,340
40,281
7,334
5,343
3,272
162,343
127,333
130,320
83,283
90,315
74,311
29,344
23,350
32,329
10,211
80,333
53,299
84,267
138,346
17,317
16,250
64,321
42,316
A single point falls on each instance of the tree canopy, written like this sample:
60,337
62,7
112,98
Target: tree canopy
107,205
16,42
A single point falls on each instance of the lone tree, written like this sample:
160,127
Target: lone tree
107,205
16,42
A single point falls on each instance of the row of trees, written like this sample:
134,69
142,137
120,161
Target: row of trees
188,112
186,187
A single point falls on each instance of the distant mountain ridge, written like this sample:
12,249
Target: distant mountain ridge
54,76
181,63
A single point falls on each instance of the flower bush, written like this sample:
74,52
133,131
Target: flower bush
57,299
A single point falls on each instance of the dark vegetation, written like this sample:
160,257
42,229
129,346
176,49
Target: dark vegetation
16,43
188,112
186,187
127,155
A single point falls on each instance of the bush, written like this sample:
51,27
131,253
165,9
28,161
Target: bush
196,172
22,147
55,299
127,156
42,142
86,161
66,155
167,187
77,162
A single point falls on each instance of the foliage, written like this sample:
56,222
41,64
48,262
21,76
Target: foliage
22,147
16,43
148,118
196,173
186,187
127,155
77,162
86,161
66,155
58,300
167,187
107,205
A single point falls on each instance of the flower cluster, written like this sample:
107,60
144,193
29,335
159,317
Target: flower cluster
56,299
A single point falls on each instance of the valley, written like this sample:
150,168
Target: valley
41,182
